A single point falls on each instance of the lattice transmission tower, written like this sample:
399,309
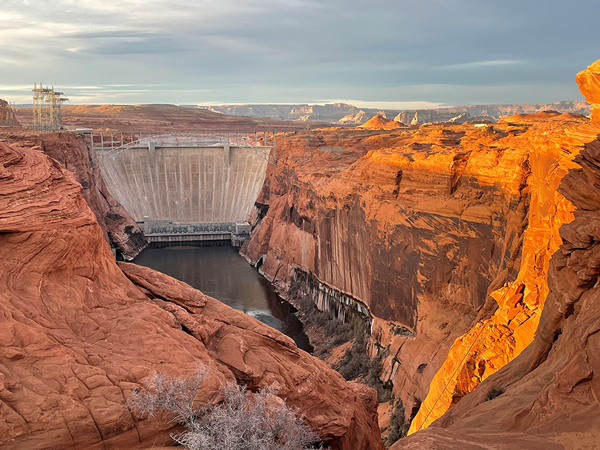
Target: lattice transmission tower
7,115
47,115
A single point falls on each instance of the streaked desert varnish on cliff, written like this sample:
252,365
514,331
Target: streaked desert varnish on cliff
420,227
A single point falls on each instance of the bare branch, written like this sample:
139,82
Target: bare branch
242,421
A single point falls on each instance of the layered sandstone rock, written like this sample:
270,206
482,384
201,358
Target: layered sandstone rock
424,233
74,153
494,342
77,333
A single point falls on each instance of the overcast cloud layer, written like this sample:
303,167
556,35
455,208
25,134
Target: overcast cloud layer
390,53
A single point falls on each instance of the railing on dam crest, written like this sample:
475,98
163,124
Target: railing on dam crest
110,143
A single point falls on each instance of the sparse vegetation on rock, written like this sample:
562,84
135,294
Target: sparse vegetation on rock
355,363
494,392
398,426
243,420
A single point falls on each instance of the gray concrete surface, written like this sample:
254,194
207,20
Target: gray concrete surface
186,184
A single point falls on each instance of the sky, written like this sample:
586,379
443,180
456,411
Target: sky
395,54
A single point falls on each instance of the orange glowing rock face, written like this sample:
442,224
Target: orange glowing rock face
380,123
494,342
589,85
422,226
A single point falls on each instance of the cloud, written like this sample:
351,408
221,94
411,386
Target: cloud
184,51
478,64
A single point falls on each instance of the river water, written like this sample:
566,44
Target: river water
220,272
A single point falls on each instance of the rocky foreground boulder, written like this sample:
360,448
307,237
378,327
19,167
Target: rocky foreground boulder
78,332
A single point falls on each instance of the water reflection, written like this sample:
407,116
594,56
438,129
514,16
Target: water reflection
219,271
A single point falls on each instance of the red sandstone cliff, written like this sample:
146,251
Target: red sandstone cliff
78,332
427,232
74,153
443,237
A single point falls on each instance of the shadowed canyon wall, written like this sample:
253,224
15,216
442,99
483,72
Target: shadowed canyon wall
79,332
428,232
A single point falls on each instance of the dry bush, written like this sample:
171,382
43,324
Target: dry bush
398,427
242,421
493,393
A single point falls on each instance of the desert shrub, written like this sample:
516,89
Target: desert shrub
335,332
398,427
494,392
356,364
241,421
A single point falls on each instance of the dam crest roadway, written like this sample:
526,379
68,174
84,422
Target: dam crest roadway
186,186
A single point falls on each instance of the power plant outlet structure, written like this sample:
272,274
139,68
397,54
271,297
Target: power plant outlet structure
47,104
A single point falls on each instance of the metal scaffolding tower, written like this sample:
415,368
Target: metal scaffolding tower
47,103
7,115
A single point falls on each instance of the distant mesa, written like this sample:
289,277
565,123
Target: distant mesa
380,123
542,116
570,116
353,119
161,117
287,117
349,115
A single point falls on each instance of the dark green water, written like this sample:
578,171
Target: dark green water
219,271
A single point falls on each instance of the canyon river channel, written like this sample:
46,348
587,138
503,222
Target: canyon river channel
220,272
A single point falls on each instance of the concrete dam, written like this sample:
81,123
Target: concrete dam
210,186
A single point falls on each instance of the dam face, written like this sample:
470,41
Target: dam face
186,184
